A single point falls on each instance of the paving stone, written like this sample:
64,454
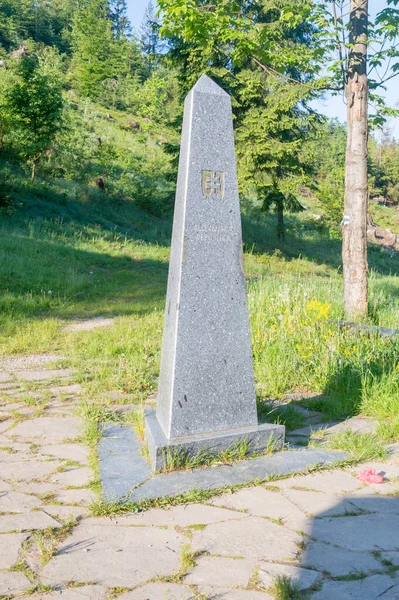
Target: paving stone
121,462
251,537
11,391
184,516
334,482
66,390
375,489
115,556
365,532
377,504
5,377
18,447
10,457
75,452
91,592
320,504
391,594
221,571
48,429
302,578
29,411
12,583
16,502
265,503
10,544
80,497
78,476
28,470
219,593
338,561
308,430
46,375
26,522
356,424
5,425
367,589
9,386
245,471
65,512
37,488
393,450
53,411
160,591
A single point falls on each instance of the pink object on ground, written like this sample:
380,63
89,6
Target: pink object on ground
369,475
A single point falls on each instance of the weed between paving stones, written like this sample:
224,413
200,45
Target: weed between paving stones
181,459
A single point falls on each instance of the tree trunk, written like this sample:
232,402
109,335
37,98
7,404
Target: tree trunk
354,238
33,170
280,220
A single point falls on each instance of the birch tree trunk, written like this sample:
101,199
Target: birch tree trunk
354,237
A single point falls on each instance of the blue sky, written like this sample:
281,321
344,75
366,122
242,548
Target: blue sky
331,106
136,11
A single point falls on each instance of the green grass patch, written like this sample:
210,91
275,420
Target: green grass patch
361,447
283,588
286,415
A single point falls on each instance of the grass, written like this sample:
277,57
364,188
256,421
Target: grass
187,562
360,447
181,459
283,588
283,415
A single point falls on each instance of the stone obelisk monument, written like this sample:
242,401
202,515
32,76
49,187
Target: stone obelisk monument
206,397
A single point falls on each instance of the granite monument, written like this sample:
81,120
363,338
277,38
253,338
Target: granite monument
206,398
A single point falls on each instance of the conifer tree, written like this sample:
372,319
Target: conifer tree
120,21
93,47
149,34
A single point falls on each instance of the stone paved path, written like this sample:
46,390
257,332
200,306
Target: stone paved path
332,536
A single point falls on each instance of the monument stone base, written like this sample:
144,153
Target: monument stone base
160,448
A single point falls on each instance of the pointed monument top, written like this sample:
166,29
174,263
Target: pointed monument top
206,85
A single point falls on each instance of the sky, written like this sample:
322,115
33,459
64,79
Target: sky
330,106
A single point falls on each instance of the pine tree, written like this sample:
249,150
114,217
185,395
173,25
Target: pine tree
93,45
272,127
120,21
149,34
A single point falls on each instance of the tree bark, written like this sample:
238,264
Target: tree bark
354,238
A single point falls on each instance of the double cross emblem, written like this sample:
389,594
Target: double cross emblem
213,183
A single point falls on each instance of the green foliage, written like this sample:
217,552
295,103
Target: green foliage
34,105
96,56
151,44
384,168
120,20
158,98
325,151
45,22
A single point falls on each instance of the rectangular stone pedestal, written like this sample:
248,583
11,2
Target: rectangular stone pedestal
160,448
